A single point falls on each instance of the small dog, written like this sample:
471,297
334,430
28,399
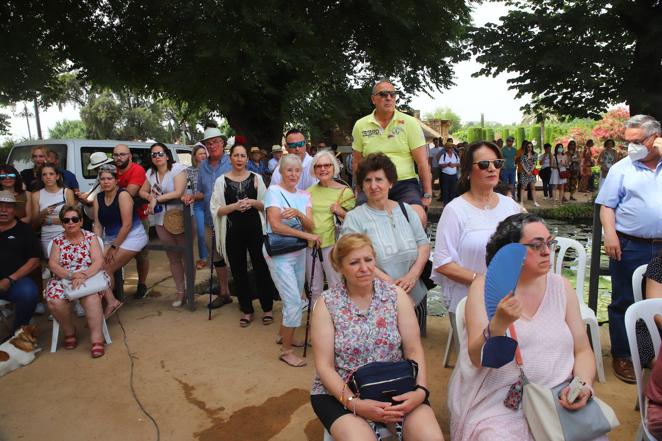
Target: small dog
19,350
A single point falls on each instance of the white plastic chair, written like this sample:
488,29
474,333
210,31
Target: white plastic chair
383,432
56,326
644,310
637,278
588,316
460,321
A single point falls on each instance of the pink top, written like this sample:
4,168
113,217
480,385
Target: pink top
476,395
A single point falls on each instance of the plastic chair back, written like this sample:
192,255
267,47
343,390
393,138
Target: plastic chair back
637,278
557,256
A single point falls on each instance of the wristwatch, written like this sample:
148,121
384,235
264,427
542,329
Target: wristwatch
11,281
427,195
113,246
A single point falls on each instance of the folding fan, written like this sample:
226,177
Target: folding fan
502,275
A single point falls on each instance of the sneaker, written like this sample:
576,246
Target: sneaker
219,302
40,309
536,204
141,291
80,311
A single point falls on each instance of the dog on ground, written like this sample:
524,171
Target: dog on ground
20,350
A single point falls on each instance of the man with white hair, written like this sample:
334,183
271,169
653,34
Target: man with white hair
295,143
400,137
630,215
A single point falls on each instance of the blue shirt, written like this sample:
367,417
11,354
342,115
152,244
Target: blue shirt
207,176
69,179
634,192
509,154
260,169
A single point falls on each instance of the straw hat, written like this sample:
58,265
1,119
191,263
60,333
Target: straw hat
211,132
276,148
97,159
7,196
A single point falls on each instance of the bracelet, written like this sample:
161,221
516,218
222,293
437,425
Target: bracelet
424,389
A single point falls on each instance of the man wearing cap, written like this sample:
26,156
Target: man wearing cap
255,163
400,137
216,164
508,171
20,256
631,218
295,143
131,176
276,153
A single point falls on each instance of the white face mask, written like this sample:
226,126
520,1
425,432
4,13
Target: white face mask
637,152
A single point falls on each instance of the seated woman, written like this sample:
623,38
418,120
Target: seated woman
123,233
344,341
401,246
552,339
76,256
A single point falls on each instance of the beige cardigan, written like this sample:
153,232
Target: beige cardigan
221,222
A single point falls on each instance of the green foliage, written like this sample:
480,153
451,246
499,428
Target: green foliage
548,134
475,134
535,133
489,134
68,129
5,149
447,114
580,55
568,212
520,136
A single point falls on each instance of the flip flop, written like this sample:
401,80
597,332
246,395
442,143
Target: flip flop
110,310
300,363
244,322
267,319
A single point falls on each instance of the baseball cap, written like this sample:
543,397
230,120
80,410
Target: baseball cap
7,196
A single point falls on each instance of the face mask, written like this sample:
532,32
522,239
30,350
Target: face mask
637,152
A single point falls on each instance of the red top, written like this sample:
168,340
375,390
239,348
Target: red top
135,175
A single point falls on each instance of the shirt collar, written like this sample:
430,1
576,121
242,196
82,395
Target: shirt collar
396,115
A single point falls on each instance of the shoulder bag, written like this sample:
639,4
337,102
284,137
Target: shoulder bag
549,421
92,285
381,380
427,269
278,244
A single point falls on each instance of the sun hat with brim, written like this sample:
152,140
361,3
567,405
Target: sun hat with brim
7,196
97,159
255,149
276,148
211,132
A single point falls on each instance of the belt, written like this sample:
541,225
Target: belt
650,241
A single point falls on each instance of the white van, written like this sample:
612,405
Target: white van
75,155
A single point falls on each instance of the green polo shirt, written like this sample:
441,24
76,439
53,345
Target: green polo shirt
402,135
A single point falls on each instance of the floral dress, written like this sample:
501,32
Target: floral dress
73,257
528,164
362,337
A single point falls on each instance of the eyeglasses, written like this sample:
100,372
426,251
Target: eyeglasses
485,164
323,165
539,246
296,145
385,93
120,155
158,154
73,219
8,176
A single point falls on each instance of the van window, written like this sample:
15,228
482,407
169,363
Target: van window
21,156
139,155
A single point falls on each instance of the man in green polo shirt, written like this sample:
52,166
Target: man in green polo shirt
400,137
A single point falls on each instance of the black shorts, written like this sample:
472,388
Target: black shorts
408,191
328,409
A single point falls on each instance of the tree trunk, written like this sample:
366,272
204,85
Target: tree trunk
37,119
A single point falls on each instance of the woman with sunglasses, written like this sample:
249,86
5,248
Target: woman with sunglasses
559,170
467,223
10,180
238,201
76,255
163,189
552,340
331,201
47,203
118,223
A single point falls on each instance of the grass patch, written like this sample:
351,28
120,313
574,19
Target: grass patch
567,212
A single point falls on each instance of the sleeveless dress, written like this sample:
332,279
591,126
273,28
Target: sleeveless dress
111,220
73,257
475,395
362,337
48,232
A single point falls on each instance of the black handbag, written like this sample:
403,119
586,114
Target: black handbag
278,244
382,380
427,269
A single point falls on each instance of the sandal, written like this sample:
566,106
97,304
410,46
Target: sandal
112,309
245,320
200,264
70,341
98,349
295,343
284,357
267,319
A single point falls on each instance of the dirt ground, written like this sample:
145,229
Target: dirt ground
199,379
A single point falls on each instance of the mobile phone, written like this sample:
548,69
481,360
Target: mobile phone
390,394
575,386
56,204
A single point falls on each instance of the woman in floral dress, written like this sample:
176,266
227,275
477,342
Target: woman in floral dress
76,256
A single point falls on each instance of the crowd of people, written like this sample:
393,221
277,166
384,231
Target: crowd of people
366,243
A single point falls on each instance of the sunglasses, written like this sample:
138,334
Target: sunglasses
8,176
158,154
485,164
540,246
385,93
296,145
73,219
323,165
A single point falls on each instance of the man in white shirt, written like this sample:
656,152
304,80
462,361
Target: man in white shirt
295,143
448,164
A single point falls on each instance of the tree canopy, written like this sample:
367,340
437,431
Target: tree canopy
260,64
447,114
578,57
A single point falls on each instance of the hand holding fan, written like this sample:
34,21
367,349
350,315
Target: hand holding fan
502,275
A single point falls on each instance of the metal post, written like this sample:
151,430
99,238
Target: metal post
189,265
596,249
